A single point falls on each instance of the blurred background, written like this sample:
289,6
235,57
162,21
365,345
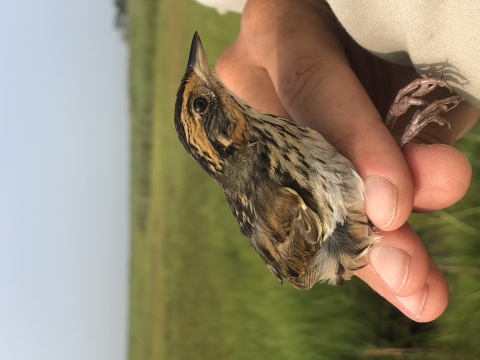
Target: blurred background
114,244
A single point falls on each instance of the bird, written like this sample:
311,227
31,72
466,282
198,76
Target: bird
298,200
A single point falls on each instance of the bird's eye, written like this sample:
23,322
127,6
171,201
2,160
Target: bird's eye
200,104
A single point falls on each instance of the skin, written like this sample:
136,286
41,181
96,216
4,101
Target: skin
312,72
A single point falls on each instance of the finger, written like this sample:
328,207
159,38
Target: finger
401,271
441,175
318,89
248,80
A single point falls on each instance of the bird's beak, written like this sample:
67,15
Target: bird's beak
197,59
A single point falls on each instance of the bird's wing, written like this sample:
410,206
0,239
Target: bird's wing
287,235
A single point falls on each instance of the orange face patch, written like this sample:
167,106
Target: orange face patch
194,129
238,134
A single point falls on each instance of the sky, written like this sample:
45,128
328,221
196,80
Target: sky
64,181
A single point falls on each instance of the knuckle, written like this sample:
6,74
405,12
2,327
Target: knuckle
229,64
223,61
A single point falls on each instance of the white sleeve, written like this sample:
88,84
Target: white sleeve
223,6
435,36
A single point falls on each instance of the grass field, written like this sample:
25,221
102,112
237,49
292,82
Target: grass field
198,291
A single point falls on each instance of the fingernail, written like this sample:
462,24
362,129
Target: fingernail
381,201
391,264
414,303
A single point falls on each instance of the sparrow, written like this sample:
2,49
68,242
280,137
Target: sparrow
298,200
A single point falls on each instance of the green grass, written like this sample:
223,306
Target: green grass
198,291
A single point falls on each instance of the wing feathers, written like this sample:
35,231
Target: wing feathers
287,235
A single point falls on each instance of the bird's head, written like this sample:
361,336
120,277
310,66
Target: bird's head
209,119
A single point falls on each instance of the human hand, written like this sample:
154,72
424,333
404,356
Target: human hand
292,59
